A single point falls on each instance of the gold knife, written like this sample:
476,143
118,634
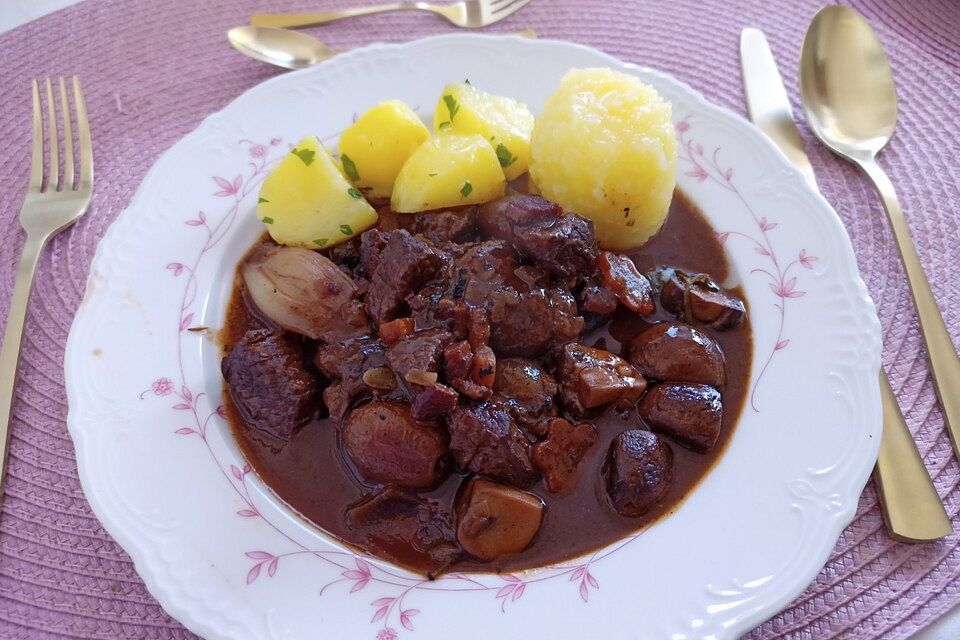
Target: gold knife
911,507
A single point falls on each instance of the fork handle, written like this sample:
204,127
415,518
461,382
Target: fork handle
12,339
293,20
944,363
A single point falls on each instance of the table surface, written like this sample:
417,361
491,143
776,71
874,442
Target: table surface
14,13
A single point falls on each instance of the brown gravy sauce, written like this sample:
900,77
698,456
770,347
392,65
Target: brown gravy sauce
312,475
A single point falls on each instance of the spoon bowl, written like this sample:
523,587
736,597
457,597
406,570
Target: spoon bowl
280,47
846,83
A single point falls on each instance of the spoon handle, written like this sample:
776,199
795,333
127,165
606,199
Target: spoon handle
944,363
912,509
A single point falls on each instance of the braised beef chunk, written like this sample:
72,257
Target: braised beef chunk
485,439
437,227
483,269
387,446
632,288
527,390
433,402
562,245
418,354
400,269
595,302
372,243
494,520
455,225
269,384
533,323
465,284
677,352
559,455
638,469
697,298
690,414
591,378
392,515
595,298
526,315
347,365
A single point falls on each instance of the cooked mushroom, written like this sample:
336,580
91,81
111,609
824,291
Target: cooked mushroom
494,520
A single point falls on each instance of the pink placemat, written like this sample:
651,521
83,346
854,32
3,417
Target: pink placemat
153,70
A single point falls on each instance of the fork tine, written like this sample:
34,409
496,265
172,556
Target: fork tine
36,154
508,8
68,180
83,133
53,141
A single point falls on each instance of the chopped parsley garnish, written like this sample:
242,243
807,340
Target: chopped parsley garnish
261,200
354,193
466,189
306,155
432,175
466,81
445,125
320,242
349,168
346,230
504,156
452,106
267,220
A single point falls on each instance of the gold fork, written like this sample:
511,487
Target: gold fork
469,14
51,204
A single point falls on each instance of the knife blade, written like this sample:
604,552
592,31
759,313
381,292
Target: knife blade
767,102
912,509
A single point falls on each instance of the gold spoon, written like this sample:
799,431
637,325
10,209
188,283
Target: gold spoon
848,93
280,47
291,49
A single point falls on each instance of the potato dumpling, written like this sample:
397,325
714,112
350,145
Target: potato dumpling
504,122
448,170
374,148
306,202
605,148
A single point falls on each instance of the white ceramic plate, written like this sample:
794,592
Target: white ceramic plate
162,472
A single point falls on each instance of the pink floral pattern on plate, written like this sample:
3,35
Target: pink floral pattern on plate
703,166
395,589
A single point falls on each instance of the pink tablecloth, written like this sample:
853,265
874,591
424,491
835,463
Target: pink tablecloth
153,69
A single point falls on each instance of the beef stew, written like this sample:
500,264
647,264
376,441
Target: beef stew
498,397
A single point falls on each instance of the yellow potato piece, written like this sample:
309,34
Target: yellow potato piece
306,202
605,148
448,170
374,148
505,123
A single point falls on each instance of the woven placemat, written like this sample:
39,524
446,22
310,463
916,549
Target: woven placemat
153,70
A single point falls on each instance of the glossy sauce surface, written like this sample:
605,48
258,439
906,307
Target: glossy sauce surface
312,474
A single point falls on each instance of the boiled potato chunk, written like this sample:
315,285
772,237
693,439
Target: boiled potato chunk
605,148
448,170
505,123
306,202
375,147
